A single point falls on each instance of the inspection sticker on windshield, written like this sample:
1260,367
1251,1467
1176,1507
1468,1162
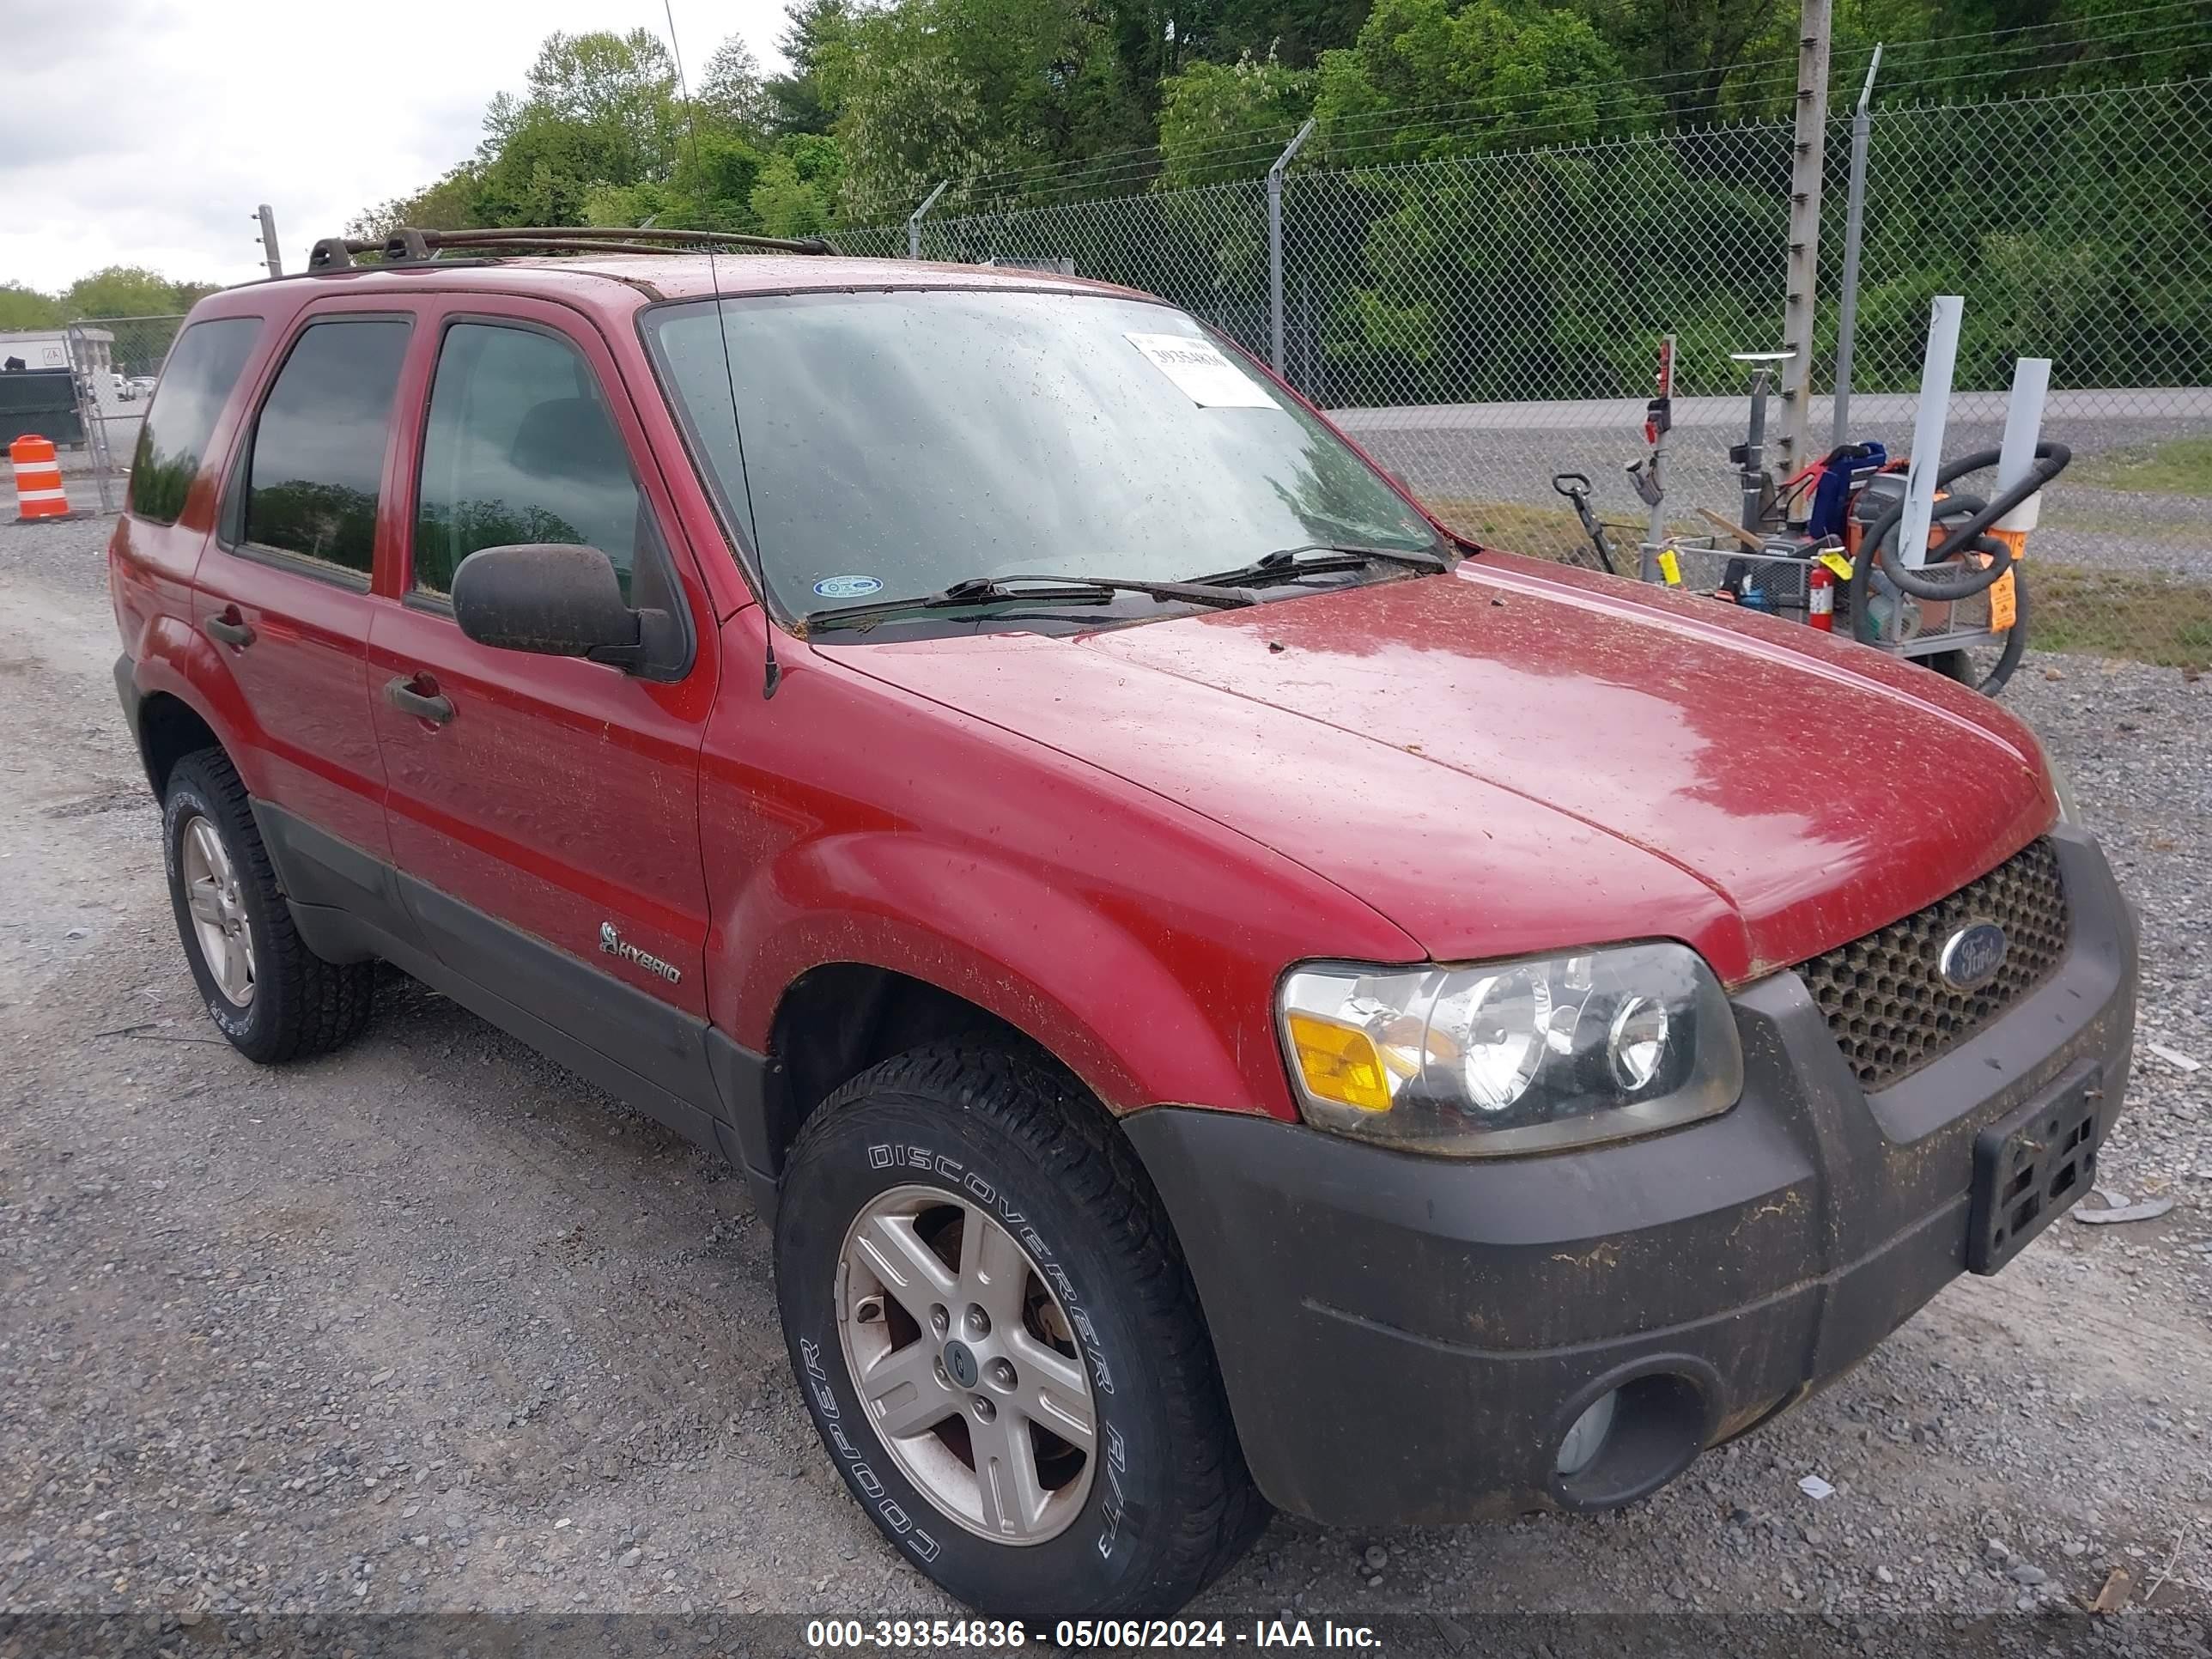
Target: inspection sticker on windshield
1205,376
847,588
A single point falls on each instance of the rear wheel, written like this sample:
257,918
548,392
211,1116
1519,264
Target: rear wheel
267,991
1000,1345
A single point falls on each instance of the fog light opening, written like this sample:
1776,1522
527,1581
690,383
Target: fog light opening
1630,1441
1587,1437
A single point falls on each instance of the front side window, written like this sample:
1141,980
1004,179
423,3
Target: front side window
195,383
519,447
894,444
317,461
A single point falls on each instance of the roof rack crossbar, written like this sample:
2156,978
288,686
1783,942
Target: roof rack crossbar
408,246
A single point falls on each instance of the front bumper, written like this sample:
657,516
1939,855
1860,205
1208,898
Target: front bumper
1407,1340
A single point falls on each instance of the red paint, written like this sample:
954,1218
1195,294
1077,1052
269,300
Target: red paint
1117,843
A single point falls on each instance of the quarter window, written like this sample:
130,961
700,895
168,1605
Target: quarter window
519,447
196,383
318,459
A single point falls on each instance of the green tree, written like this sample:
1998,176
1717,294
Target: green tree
799,187
1218,120
814,43
730,92
21,307
911,117
1430,78
132,291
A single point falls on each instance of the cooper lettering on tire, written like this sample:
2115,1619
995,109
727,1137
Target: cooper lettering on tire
968,1259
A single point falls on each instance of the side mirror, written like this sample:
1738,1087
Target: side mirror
549,598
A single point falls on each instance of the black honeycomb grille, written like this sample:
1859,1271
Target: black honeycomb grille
1890,1011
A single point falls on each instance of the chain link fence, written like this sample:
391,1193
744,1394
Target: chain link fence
1484,322
115,362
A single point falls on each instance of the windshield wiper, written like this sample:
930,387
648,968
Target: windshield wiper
1028,590
1320,559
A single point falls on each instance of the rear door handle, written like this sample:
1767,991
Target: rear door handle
229,626
402,695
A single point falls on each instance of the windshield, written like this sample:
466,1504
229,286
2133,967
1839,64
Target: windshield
896,443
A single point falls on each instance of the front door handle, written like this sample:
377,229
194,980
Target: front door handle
419,697
229,626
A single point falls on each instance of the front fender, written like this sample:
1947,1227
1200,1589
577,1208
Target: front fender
1020,947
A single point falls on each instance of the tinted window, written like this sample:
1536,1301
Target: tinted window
912,438
195,385
319,445
518,448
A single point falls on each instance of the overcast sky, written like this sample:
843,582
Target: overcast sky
146,131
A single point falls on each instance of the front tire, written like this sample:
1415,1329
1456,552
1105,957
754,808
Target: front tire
1001,1347
265,990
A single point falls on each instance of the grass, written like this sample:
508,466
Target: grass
2119,613
2180,466
1543,533
2139,614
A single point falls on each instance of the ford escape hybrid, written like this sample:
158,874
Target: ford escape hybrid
1229,995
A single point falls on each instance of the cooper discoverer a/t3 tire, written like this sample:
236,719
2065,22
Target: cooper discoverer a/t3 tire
1000,1345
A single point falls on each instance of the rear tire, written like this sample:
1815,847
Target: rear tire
998,1167
265,990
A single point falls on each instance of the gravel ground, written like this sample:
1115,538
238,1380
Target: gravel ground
430,1325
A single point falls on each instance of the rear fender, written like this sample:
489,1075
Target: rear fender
172,659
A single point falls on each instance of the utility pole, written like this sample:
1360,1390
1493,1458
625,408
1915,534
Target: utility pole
269,251
1801,307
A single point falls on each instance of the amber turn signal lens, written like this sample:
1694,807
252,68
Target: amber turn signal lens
1339,1063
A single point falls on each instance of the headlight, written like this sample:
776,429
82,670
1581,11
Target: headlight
1512,1056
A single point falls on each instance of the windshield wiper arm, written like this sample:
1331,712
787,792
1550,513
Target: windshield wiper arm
1041,590
1322,558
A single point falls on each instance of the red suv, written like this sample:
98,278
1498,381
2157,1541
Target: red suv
1229,994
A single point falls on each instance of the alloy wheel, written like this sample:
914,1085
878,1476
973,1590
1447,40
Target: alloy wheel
218,907
967,1363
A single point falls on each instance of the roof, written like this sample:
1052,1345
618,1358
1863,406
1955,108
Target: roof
587,279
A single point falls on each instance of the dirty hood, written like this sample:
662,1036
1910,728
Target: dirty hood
1516,757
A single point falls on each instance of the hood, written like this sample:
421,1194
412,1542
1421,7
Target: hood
1520,757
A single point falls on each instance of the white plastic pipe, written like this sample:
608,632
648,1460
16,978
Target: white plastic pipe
2031,381
1935,371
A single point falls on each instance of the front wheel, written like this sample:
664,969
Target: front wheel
1000,1345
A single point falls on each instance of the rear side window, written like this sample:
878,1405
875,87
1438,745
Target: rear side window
318,458
195,383
519,447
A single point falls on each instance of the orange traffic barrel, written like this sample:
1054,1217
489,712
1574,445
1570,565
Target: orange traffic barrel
39,492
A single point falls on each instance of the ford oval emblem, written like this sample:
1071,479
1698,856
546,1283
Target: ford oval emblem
1972,955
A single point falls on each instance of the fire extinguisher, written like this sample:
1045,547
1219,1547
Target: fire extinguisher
1821,597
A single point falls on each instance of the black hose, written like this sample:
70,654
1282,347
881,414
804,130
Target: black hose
2050,460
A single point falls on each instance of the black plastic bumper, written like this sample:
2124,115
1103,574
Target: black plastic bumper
1408,1340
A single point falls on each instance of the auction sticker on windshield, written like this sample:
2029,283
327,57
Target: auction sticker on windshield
1205,376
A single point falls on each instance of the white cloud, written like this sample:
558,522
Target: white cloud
146,131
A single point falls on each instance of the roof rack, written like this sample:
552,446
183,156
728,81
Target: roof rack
408,247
